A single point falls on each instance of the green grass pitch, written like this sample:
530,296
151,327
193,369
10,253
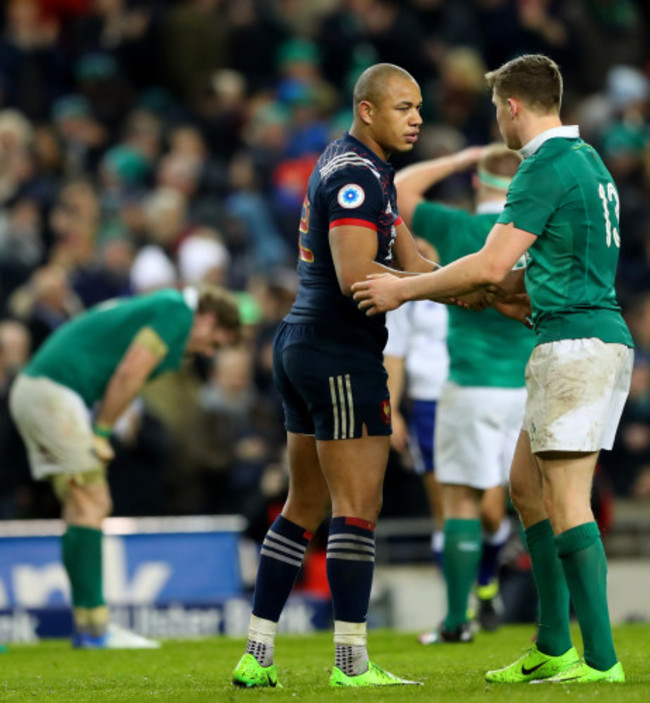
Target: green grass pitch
199,670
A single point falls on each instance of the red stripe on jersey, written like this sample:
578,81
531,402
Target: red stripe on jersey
358,522
398,221
354,223
306,254
307,535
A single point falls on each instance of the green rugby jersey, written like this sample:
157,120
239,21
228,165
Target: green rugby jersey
485,348
84,353
563,194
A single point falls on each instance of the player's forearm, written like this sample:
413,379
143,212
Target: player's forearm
463,276
348,277
120,393
418,178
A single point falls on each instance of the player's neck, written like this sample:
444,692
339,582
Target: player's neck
367,140
534,126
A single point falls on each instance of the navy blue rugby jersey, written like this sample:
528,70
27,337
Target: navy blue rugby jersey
350,185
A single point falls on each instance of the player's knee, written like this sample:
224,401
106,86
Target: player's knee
519,496
306,513
86,500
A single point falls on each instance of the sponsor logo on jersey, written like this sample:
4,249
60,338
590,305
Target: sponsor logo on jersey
351,196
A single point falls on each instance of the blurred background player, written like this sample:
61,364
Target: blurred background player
482,403
417,363
99,362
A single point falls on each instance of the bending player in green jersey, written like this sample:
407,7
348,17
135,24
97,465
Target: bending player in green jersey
562,212
100,360
481,405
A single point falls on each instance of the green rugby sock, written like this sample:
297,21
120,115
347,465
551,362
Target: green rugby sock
462,554
553,637
585,567
82,558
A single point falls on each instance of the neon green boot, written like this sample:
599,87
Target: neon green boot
533,665
373,676
249,673
581,672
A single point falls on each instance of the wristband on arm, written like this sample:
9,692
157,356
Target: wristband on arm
101,430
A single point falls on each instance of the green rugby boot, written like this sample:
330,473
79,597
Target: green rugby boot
249,673
374,676
581,672
533,665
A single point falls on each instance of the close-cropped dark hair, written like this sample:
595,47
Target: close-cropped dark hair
371,84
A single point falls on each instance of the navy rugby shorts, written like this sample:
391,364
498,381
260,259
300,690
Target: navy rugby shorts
330,388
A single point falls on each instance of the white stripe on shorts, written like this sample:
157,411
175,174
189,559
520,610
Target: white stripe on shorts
342,406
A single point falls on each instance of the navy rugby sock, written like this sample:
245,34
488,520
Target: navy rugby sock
281,557
493,545
350,566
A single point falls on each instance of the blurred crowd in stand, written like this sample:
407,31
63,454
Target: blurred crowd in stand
157,143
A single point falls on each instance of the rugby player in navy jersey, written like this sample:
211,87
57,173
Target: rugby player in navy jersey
329,371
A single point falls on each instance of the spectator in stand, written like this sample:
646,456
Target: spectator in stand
31,64
45,303
14,354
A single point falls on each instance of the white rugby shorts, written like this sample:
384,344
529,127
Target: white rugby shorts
55,425
476,433
576,392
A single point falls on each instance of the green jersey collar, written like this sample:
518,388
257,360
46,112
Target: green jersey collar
191,296
564,132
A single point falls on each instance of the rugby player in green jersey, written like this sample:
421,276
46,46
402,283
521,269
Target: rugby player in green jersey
562,212
94,366
481,406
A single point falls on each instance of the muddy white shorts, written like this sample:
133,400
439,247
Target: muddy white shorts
55,425
576,392
476,433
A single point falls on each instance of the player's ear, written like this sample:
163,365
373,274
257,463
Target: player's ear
513,107
365,112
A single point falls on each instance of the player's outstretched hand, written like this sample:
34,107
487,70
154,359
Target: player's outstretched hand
378,293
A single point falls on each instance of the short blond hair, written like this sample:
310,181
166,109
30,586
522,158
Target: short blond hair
533,78
498,160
